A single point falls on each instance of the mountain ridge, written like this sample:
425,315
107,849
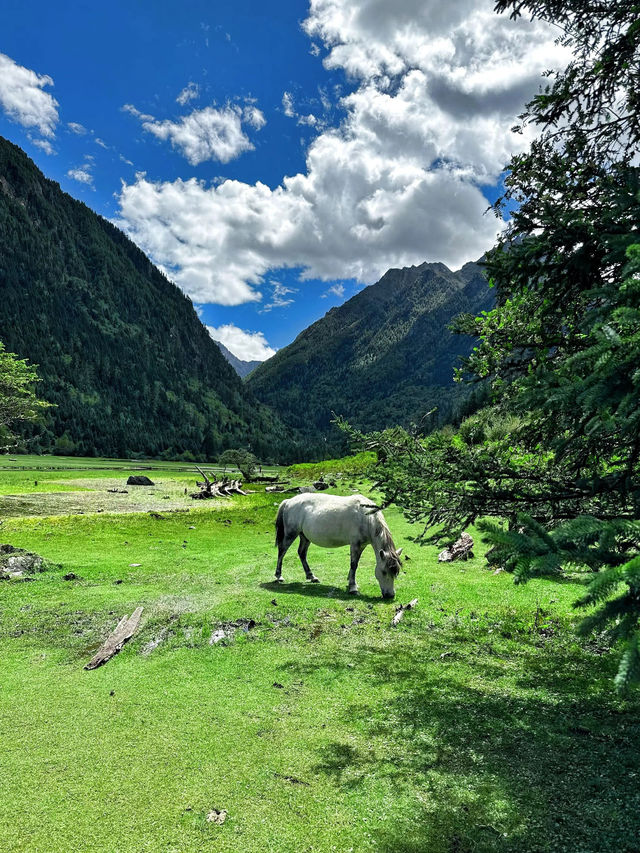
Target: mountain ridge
384,357
242,368
121,351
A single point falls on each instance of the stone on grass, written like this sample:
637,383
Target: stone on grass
139,480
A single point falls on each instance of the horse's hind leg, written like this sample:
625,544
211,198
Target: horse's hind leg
303,547
283,546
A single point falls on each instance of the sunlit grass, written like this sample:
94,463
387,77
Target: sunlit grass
480,723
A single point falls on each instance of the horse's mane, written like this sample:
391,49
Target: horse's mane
382,531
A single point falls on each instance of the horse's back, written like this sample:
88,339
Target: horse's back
328,520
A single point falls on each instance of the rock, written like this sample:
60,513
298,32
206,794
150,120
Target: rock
320,485
217,816
139,480
15,562
460,550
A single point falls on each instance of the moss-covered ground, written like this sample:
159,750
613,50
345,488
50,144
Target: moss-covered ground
479,723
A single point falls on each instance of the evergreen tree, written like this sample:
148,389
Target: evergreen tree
557,452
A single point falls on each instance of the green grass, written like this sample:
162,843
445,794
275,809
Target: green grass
348,466
480,723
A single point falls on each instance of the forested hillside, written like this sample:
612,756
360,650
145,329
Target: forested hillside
122,354
385,357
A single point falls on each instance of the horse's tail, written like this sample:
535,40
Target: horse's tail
280,524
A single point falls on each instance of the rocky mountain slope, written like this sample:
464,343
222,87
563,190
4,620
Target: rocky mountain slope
242,368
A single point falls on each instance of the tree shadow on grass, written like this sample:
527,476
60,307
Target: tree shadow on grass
546,763
321,590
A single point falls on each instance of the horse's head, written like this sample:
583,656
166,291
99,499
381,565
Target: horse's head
387,570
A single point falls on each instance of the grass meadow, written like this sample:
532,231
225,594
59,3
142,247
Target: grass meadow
479,723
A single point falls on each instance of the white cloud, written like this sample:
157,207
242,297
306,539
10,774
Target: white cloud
129,108
23,98
45,145
279,298
396,183
248,346
207,134
334,290
77,128
100,142
253,116
82,175
190,92
287,104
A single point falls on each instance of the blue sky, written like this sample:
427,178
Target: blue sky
274,158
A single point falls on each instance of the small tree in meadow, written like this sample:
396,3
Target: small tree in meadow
243,460
18,401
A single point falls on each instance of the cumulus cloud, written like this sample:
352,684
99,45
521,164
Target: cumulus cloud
248,346
190,92
23,98
77,128
426,124
206,134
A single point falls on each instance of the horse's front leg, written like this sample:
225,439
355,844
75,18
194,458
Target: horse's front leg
356,553
303,547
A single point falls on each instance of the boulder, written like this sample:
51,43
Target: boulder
15,562
139,480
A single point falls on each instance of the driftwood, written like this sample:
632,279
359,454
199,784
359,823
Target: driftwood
217,488
402,610
460,550
115,641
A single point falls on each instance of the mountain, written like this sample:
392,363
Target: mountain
242,368
121,351
384,357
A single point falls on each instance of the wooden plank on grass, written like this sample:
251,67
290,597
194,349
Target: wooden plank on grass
115,641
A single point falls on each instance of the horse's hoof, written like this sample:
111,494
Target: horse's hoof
314,579
279,580
354,591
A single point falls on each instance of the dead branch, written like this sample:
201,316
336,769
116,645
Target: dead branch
402,610
116,640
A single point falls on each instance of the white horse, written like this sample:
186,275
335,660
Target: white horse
332,522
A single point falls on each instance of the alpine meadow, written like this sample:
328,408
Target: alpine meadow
320,427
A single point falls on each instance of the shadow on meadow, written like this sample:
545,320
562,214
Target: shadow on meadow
322,590
548,763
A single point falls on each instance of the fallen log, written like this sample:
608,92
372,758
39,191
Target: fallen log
402,610
116,640
460,550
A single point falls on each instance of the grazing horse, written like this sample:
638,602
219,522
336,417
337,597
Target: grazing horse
332,522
